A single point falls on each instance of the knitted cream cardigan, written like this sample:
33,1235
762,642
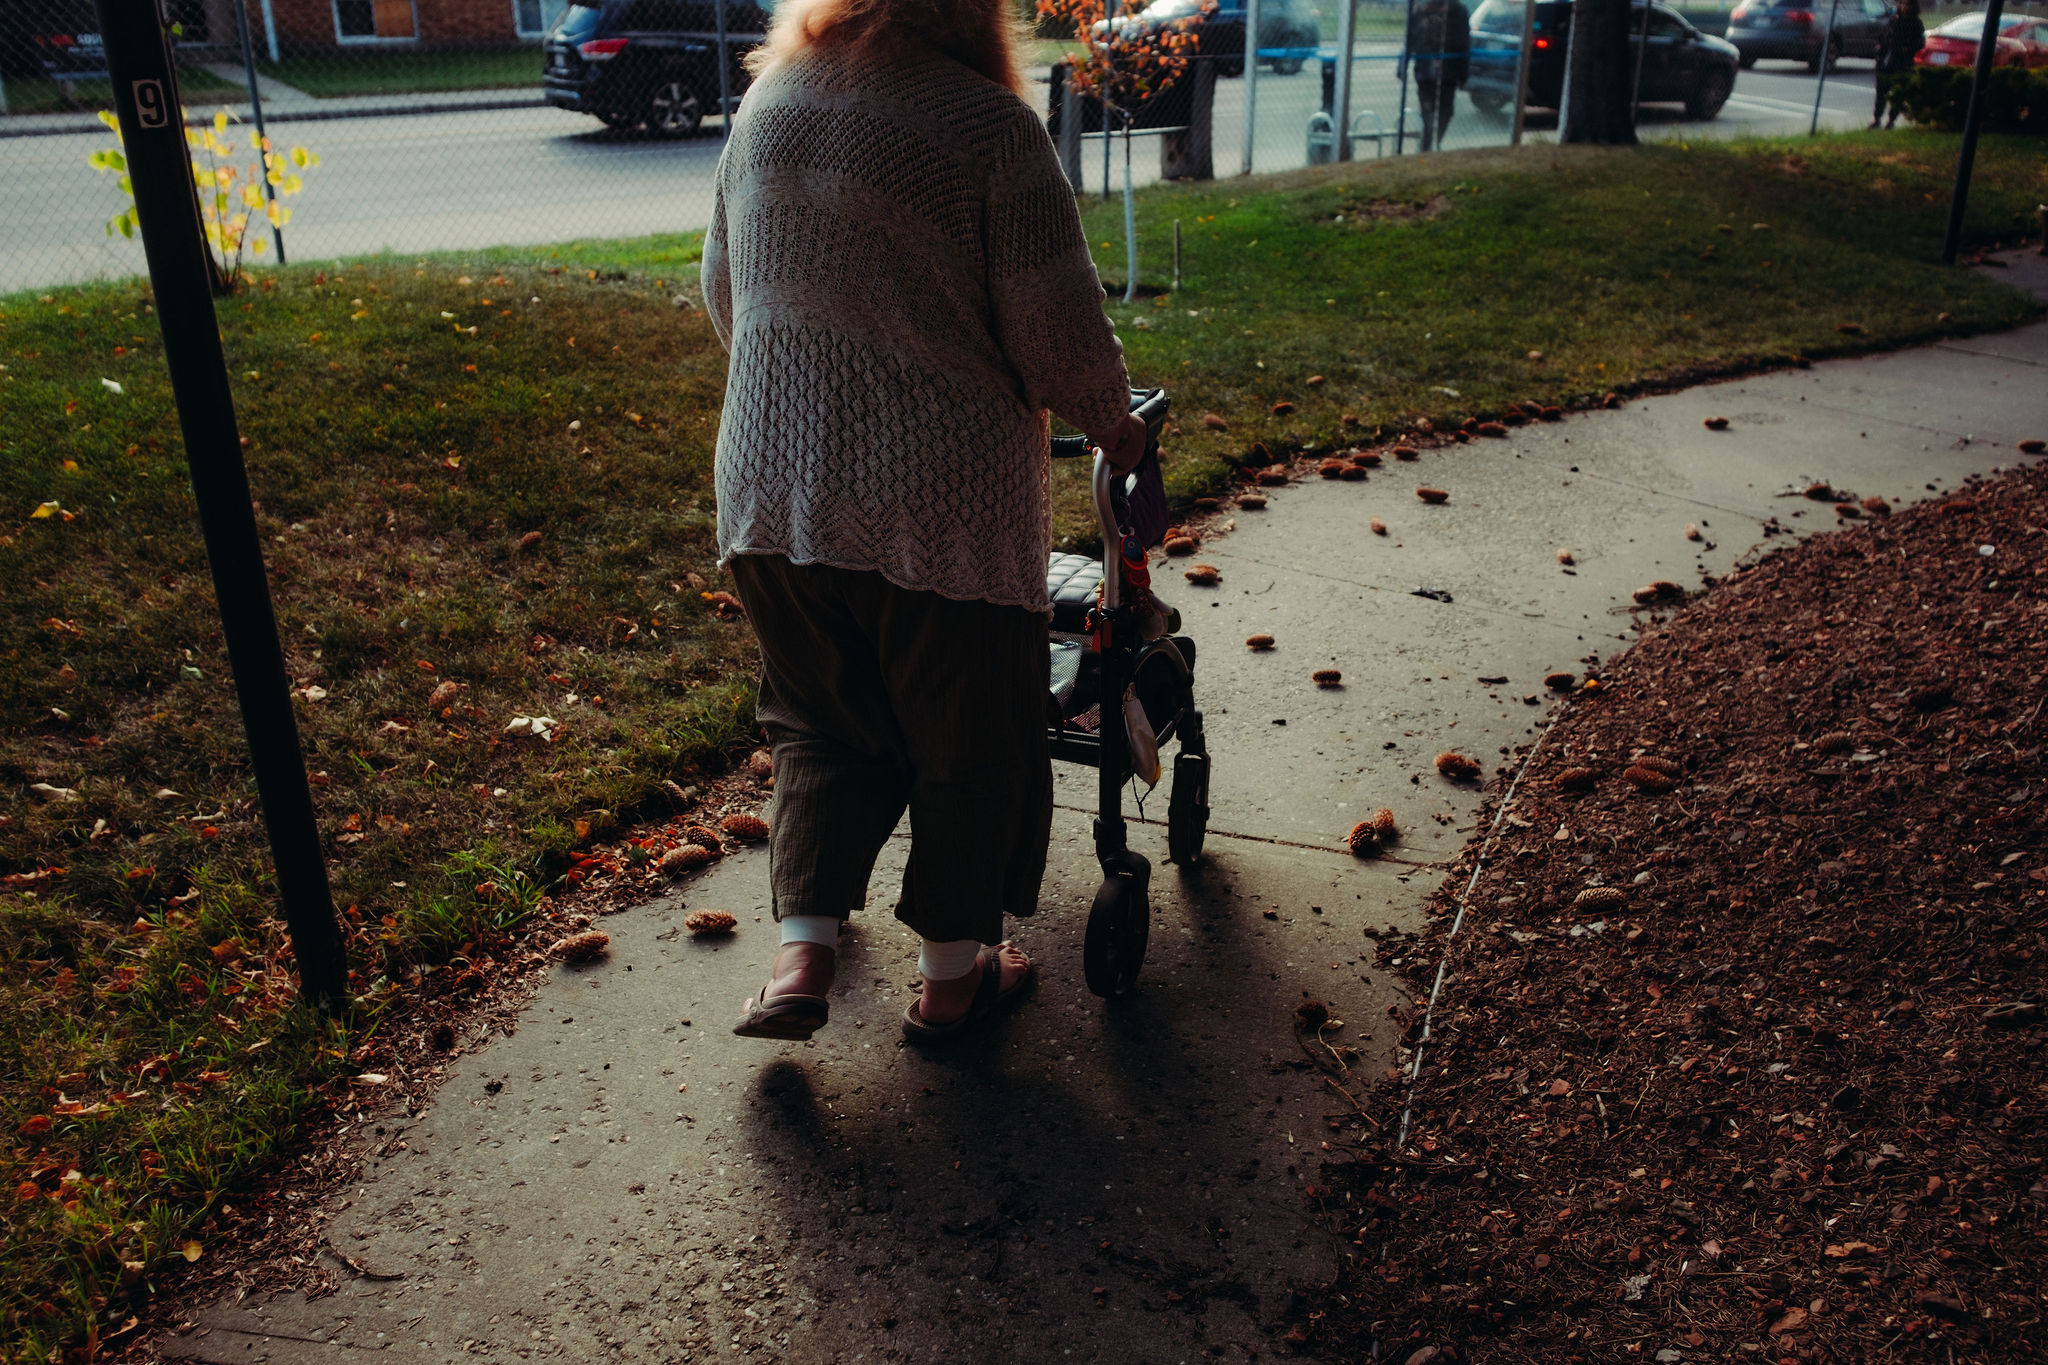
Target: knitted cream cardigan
896,265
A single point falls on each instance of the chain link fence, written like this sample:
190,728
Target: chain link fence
458,124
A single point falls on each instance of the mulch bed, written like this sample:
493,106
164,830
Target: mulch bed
1752,1066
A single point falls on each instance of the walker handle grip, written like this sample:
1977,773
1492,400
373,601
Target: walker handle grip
1149,404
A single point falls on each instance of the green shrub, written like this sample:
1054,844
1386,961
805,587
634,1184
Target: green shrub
2015,101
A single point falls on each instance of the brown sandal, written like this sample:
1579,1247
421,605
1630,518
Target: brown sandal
990,999
789,1018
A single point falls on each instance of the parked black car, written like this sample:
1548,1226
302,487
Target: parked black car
1796,29
1681,65
57,39
1291,30
651,63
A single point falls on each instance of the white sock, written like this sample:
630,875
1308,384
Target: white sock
821,929
938,961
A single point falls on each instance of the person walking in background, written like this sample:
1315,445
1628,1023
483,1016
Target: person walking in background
1439,44
897,267
1901,40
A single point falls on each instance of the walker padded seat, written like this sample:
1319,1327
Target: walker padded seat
1072,582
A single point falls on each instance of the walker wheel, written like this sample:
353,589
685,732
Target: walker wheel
1118,927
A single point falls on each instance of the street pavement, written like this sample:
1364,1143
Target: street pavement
459,178
619,1178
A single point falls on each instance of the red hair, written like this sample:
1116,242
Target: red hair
981,35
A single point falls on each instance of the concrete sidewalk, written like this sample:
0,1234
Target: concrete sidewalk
622,1179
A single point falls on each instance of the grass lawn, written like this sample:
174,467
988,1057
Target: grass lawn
1420,287
38,96
335,74
432,518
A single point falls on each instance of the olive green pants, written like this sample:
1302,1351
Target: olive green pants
877,699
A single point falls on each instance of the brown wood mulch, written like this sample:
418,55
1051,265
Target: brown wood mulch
1740,1049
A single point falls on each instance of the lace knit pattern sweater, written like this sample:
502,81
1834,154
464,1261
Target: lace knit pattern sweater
897,267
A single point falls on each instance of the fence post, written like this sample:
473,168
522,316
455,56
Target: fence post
145,91
1522,71
1251,82
1973,120
1635,99
269,30
1347,35
724,83
1401,113
1827,43
1109,38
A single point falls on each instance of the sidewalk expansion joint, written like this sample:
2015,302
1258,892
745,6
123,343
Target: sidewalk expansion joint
1266,839
1877,420
1665,493
1989,355
1538,617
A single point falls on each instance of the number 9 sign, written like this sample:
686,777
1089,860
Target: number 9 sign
150,109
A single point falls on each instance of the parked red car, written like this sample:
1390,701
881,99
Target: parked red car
2022,41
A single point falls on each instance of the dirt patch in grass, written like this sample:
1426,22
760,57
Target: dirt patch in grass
1739,1050
1399,211
483,496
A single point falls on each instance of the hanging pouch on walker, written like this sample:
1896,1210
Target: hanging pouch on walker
1146,500
1144,743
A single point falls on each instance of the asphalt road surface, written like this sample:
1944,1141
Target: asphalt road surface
521,176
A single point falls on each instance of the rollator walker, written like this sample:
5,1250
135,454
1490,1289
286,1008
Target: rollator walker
1122,688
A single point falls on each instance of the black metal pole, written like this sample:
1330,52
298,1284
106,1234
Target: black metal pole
160,169
1987,47
256,112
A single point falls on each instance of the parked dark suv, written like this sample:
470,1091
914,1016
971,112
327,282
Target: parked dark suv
651,63
1797,28
57,39
1681,65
